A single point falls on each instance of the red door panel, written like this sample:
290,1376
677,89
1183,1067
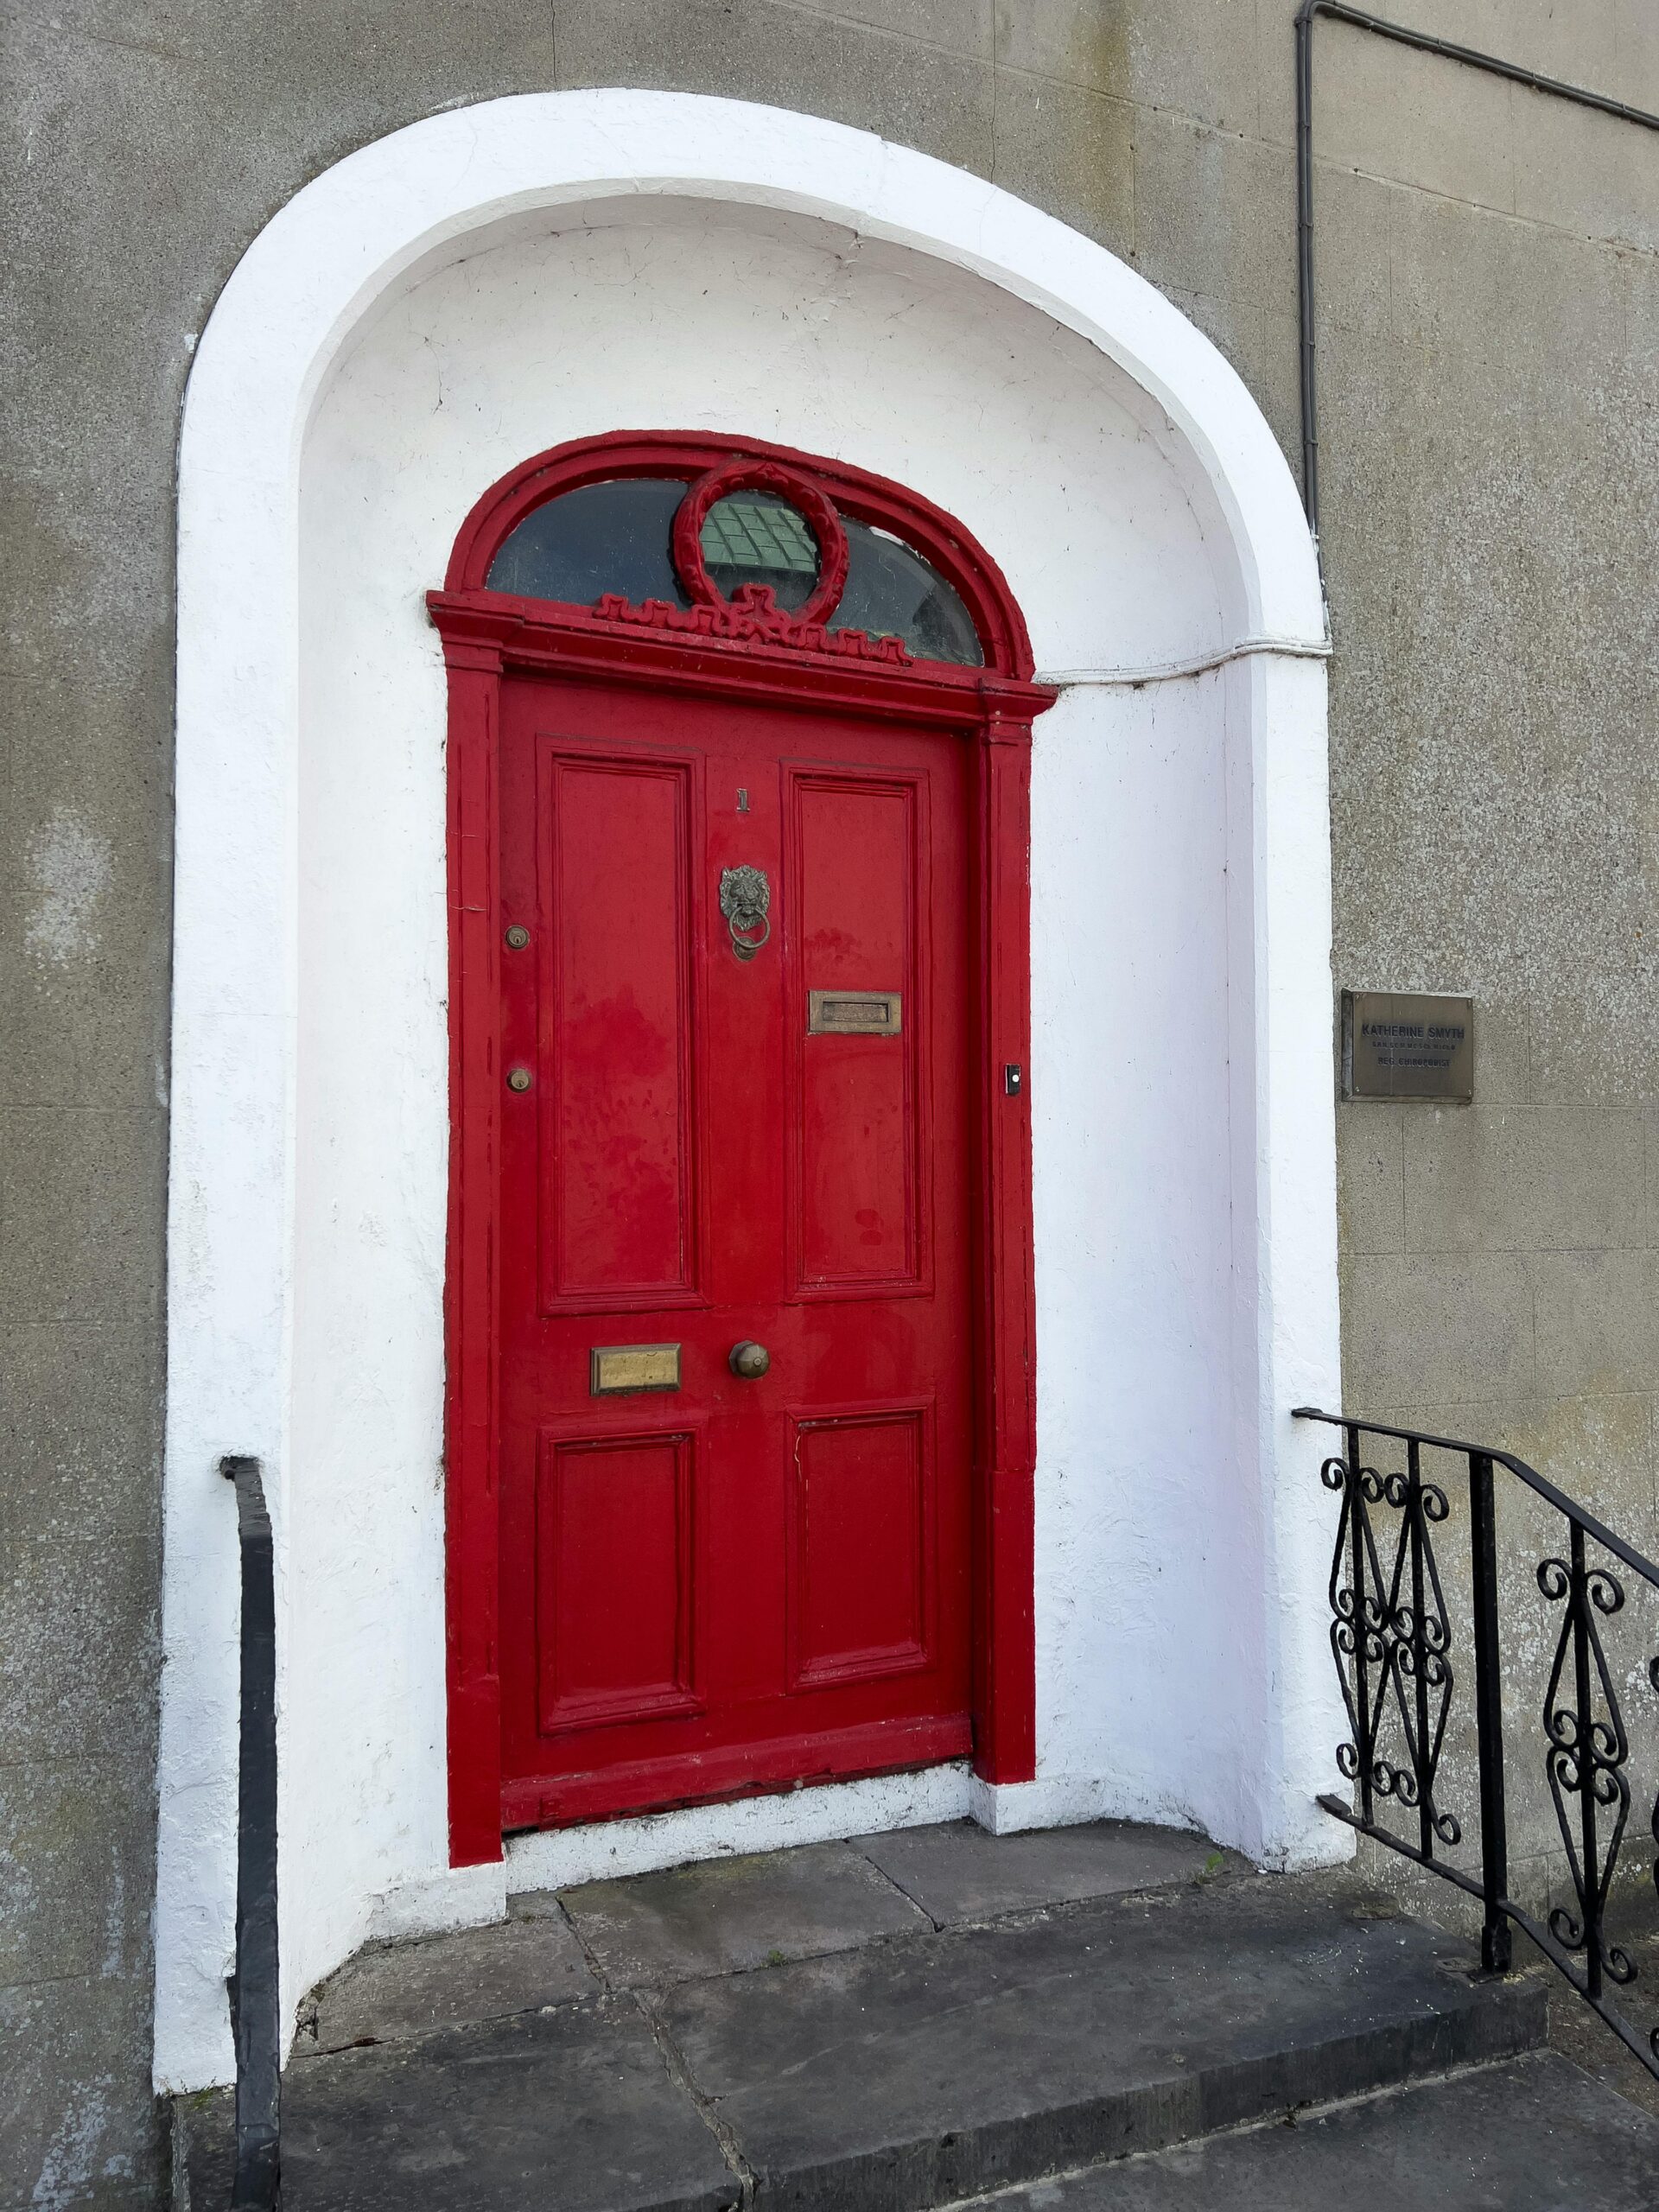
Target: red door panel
861,1580
615,1049
614,1578
728,1584
858,847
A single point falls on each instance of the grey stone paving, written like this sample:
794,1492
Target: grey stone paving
729,1915
482,1974
961,1872
1535,2135
913,2020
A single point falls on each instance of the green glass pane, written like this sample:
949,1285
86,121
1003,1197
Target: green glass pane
754,537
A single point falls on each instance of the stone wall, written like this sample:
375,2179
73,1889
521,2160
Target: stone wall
1489,315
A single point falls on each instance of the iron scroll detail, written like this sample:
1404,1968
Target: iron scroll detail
1393,1626
1587,1752
1390,1636
745,900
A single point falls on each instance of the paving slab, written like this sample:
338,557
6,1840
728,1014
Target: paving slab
919,2071
566,2111
479,1973
961,1872
1534,2136
728,1916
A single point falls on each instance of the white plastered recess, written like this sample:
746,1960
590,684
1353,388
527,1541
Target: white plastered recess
419,319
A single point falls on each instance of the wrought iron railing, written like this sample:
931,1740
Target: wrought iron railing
256,2003
1396,1655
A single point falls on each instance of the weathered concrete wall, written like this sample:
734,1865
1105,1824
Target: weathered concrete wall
1491,452
1488,326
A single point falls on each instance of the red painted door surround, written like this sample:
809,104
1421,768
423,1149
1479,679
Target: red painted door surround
692,1113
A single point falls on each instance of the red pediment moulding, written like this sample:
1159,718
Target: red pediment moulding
747,646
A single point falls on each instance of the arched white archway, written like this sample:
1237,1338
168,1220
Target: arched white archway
331,262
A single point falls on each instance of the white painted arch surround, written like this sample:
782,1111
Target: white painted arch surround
1228,1569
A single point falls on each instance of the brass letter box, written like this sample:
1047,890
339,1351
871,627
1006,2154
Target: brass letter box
853,1013
617,1370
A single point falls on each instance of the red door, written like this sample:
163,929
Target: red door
720,1131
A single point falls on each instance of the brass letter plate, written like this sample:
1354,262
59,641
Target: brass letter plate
614,1370
853,1013
1407,1044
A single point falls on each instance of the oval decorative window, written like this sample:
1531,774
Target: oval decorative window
759,538
747,537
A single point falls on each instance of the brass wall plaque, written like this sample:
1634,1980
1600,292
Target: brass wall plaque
615,1370
853,1014
1407,1044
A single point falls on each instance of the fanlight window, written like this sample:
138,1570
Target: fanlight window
619,537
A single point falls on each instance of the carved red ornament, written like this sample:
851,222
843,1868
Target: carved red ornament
752,617
745,474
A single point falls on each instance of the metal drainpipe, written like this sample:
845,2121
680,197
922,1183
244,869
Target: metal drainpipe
1401,34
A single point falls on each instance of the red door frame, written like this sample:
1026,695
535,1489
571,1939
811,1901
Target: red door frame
752,653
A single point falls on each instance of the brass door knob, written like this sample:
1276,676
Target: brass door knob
748,1359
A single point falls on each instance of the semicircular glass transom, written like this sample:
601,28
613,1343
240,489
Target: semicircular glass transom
617,538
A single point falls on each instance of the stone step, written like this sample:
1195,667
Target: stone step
908,2075
569,2110
1535,2135
875,2027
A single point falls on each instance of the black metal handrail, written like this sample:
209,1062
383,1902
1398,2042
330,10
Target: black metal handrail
1391,1638
256,2003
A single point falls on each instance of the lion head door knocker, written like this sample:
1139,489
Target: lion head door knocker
745,898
